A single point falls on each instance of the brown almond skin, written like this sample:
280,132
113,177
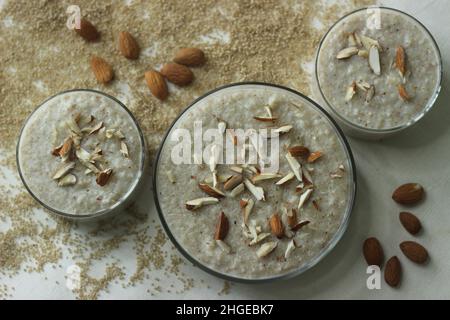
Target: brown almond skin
410,222
87,31
157,84
191,57
373,252
299,151
177,74
408,194
393,272
292,219
222,227
276,226
414,251
103,71
128,46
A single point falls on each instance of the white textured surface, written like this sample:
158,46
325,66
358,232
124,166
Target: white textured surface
420,154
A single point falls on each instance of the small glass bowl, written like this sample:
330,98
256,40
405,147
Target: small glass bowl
117,207
357,130
351,187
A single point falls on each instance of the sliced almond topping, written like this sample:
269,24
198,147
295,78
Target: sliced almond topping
351,90
224,246
236,169
290,248
283,129
335,175
63,169
269,111
171,176
296,167
403,93
369,43
118,134
124,149
363,53
103,177
73,126
400,60
314,156
347,53
56,150
67,180
300,225
220,178
83,155
90,166
369,94
306,177
291,217
352,40
247,209
299,151
243,203
96,128
304,197
265,176
260,237
257,192
232,182
211,191
109,133
276,226
266,248
200,202
341,167
222,227
374,60
66,147
285,179
237,190
266,119
364,86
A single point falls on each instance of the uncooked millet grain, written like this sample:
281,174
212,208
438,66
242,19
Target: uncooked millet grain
262,40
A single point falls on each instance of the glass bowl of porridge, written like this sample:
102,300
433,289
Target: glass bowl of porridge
81,154
254,182
378,71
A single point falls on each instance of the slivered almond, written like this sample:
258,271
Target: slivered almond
363,53
63,169
296,167
300,225
67,180
260,237
283,129
299,151
347,53
369,43
56,150
247,209
266,248
96,128
374,60
265,176
224,246
200,202
403,93
363,85
369,94
66,147
314,156
257,192
232,182
103,177
292,217
276,226
351,90
290,248
304,197
236,169
266,119
211,191
243,203
400,60
222,227
285,179
124,149
237,190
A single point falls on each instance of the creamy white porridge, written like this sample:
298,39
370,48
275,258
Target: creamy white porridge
379,78
81,153
244,249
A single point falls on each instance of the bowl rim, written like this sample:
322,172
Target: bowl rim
296,271
431,101
103,212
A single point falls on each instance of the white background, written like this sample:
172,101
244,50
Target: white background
421,155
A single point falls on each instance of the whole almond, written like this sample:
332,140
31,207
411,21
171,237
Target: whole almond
177,74
157,84
276,226
87,30
102,70
222,227
410,222
299,151
393,272
128,46
191,57
409,193
414,251
373,252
